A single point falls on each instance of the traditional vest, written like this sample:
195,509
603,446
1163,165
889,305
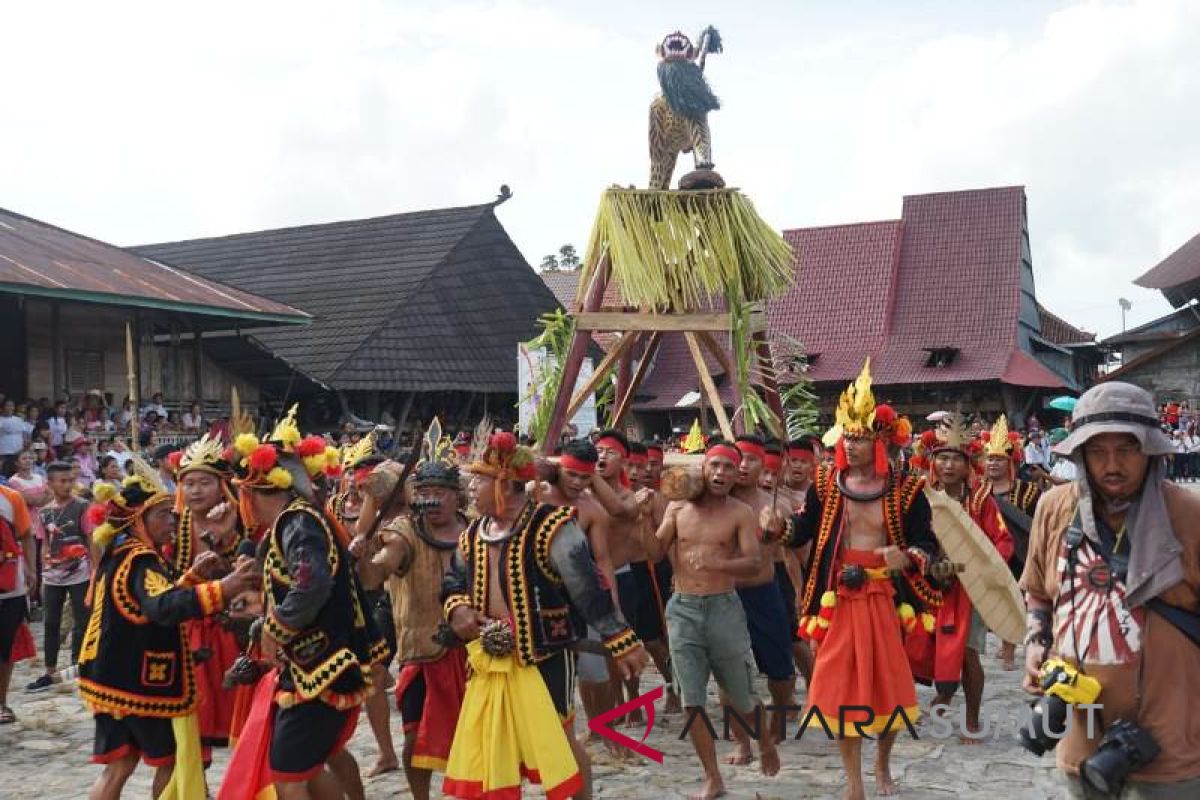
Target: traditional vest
330,659
129,665
902,492
542,618
184,545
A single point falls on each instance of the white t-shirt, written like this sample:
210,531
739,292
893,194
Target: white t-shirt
1065,469
12,435
58,427
1035,454
122,457
191,423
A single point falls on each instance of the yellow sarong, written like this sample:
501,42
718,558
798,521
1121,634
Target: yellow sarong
187,778
508,729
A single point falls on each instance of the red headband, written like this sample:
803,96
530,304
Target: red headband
751,449
577,464
772,462
800,454
613,443
652,450
732,453
636,458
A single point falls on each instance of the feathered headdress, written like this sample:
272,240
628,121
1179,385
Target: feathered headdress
119,510
437,466
950,435
284,460
207,454
859,417
504,460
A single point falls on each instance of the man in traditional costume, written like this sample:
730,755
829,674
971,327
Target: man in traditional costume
959,634
872,542
354,508
316,618
521,571
135,668
1016,498
204,489
412,555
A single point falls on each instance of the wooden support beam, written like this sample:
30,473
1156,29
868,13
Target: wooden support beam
580,397
710,388
579,343
645,321
625,401
714,348
624,373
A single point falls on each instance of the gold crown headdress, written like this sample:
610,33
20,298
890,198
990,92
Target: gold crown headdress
858,416
999,441
354,454
206,454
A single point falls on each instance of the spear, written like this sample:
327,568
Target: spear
133,393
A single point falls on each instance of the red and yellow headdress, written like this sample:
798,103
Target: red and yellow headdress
121,510
209,455
283,457
858,417
951,435
504,460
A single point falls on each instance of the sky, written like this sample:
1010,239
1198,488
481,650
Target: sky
147,122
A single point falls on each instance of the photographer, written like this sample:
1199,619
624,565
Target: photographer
1113,581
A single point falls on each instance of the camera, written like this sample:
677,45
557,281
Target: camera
1064,686
1125,748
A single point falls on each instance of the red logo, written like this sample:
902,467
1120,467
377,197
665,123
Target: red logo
599,725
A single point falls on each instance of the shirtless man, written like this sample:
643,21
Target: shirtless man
848,604
798,468
636,589
713,541
569,486
766,612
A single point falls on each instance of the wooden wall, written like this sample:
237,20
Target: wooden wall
99,328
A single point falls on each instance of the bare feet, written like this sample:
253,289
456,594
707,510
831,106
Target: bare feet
673,705
739,757
885,786
972,735
709,790
854,792
382,766
770,761
635,719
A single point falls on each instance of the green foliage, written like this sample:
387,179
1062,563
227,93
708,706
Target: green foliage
555,340
568,259
800,407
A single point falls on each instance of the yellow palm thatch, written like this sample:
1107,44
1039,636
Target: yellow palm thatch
679,250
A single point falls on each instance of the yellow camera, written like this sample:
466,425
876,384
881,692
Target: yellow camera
1060,679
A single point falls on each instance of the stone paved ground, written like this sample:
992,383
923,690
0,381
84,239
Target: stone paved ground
45,756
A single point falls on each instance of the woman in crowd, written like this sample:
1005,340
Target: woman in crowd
193,419
36,493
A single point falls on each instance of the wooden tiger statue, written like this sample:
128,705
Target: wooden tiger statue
679,115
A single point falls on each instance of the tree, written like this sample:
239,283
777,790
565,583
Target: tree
568,259
549,263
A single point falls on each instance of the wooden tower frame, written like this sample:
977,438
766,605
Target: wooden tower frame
636,327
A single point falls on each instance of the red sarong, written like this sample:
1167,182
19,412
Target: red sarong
445,685
249,774
861,661
215,709
22,645
937,657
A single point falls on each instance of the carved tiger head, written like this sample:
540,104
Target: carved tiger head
676,47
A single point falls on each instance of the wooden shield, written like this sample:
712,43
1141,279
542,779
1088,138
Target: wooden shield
983,573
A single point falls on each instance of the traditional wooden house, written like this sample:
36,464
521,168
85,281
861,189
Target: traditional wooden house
1163,355
65,301
413,314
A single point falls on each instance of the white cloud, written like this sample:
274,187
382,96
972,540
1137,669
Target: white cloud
146,122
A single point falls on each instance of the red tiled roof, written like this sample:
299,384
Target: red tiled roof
838,306
1057,330
1025,370
564,285
674,375
1182,266
38,258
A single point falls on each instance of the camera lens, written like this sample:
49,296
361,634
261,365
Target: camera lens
1047,724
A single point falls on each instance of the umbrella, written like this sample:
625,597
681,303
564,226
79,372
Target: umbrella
1063,403
937,416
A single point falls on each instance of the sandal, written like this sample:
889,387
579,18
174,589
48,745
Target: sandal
7,717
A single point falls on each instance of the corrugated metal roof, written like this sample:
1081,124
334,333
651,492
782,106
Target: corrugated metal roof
38,258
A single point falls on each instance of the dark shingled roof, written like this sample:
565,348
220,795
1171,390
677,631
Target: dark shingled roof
37,258
425,301
1178,275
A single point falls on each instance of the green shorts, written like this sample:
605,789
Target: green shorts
708,635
